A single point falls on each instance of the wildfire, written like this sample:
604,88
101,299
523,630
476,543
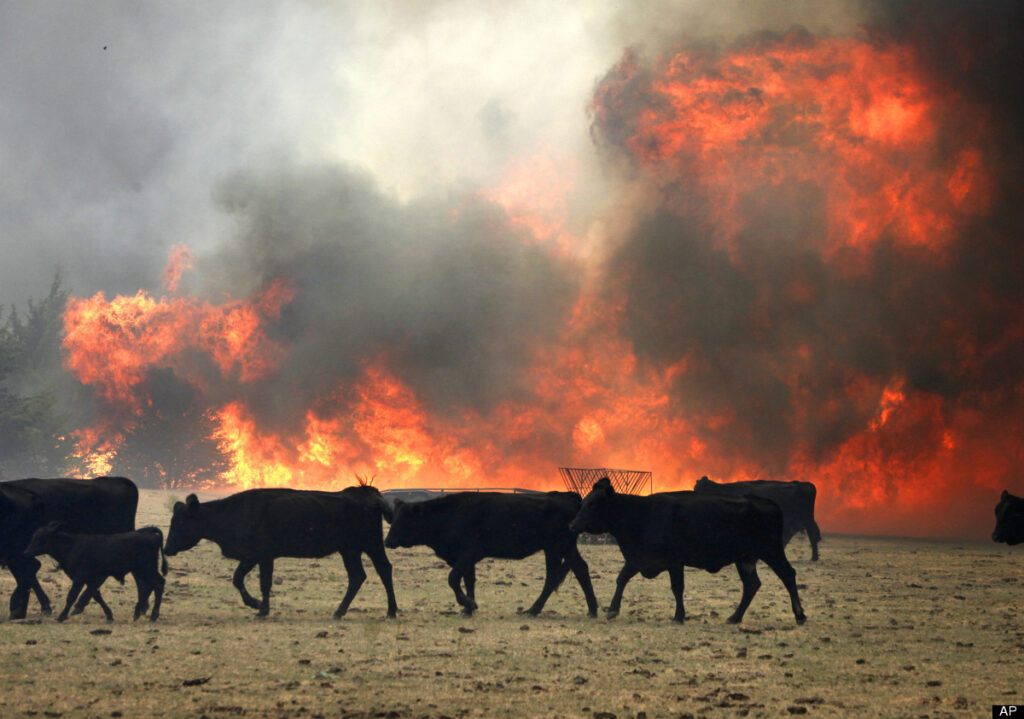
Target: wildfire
870,156
870,159
857,121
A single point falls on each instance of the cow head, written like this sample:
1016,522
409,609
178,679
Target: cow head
405,525
369,494
1009,519
42,539
593,514
186,526
703,484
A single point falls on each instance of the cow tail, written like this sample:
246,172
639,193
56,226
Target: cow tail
387,510
163,557
160,536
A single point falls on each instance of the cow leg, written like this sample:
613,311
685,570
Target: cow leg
383,567
157,583
94,589
784,571
555,571
244,567
44,601
469,579
751,583
76,587
677,582
582,571
82,602
24,570
813,536
627,572
356,576
266,582
455,582
80,605
143,588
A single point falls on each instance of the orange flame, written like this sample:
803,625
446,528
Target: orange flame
857,120
859,123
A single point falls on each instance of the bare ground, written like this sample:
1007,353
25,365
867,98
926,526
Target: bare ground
900,628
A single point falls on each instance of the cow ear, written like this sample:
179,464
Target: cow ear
1004,495
55,526
192,503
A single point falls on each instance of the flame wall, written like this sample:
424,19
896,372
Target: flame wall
808,269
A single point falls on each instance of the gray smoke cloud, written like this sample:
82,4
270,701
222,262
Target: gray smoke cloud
454,298
328,143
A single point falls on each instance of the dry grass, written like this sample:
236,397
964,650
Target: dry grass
897,628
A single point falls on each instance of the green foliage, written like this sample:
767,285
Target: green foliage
33,436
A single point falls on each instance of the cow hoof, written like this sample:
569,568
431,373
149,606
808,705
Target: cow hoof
734,619
801,618
611,613
592,613
45,611
532,612
62,618
77,610
679,620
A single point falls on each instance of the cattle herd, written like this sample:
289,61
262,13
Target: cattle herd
88,526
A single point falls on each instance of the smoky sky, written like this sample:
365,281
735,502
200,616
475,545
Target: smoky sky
446,293
950,329
346,148
119,120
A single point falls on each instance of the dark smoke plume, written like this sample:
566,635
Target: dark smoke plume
445,292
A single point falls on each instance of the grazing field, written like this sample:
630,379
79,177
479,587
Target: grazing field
901,628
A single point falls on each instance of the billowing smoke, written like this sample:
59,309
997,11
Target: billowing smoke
448,293
831,253
467,243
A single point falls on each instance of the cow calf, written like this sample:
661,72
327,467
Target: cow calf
89,559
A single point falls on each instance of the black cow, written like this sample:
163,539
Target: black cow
1009,520
259,525
88,506
673,530
89,559
464,527
796,499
